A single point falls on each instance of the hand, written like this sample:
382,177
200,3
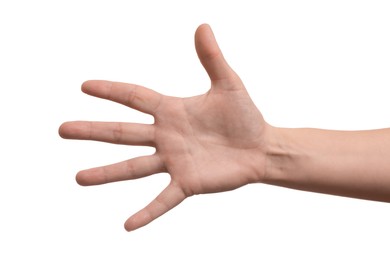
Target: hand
209,143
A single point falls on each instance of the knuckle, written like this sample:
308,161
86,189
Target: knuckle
130,169
132,95
118,133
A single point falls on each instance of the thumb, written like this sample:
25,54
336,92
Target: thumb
210,55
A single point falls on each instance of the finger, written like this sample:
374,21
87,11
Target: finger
134,96
210,55
127,170
117,133
170,197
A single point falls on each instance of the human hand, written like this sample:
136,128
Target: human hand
209,143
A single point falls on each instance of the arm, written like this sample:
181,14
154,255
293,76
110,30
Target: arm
347,163
219,141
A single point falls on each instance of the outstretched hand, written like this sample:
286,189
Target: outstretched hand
209,143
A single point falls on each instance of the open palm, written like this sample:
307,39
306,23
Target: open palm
208,143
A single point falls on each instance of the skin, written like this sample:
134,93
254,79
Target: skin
219,141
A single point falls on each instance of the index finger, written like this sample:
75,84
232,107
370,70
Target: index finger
131,95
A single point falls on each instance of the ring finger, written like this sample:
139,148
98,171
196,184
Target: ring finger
127,170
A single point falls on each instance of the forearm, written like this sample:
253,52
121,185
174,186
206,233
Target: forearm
347,163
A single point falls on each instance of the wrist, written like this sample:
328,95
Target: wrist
281,156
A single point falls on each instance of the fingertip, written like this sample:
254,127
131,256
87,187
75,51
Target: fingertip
202,33
203,26
64,130
61,130
204,36
129,226
71,130
88,86
85,86
82,179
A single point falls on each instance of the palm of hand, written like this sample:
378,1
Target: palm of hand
207,143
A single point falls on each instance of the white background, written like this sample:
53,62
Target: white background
318,64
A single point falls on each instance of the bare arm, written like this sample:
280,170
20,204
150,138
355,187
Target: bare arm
219,141
347,163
